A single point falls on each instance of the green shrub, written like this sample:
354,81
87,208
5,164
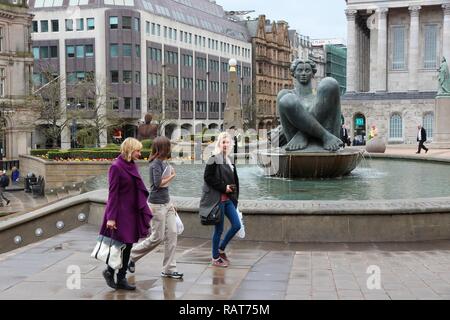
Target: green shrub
41,152
147,144
112,146
89,154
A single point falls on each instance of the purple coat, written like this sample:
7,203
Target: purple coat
127,203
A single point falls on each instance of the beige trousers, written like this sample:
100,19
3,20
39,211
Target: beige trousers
164,228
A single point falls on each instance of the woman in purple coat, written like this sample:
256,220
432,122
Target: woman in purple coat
127,214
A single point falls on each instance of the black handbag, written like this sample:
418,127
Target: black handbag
213,218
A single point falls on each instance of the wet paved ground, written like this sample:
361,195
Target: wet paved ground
267,271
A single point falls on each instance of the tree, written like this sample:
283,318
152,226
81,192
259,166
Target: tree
47,99
94,105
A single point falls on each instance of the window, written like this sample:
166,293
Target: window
126,50
113,50
138,103
80,24
126,22
80,76
158,30
113,22
114,103
80,51
115,76
165,32
174,34
127,103
69,25
127,76
89,50
44,26
395,127
154,54
153,28
137,77
2,82
428,120
399,52
136,24
71,78
90,23
55,25
36,52
430,47
53,52
138,50
34,26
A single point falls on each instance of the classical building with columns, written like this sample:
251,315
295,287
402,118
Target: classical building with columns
394,49
16,62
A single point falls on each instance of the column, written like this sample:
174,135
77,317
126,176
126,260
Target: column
351,51
382,50
446,32
413,51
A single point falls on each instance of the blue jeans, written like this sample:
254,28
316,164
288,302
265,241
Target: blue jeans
227,209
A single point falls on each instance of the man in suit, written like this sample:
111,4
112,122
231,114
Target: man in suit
344,135
421,138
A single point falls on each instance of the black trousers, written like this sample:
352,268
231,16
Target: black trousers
421,146
125,259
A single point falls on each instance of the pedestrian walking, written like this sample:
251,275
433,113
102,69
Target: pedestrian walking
421,138
163,224
127,214
4,182
222,187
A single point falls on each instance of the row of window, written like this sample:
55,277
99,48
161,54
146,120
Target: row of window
80,51
396,125
53,25
45,52
127,103
154,29
201,106
430,54
127,50
127,23
78,76
127,77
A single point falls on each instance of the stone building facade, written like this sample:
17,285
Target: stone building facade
16,62
271,60
394,49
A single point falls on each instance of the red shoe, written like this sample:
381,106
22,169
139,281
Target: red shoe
224,257
219,262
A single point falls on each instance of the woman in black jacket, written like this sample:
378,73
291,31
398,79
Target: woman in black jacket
221,175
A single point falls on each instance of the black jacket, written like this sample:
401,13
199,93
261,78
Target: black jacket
423,135
218,175
4,181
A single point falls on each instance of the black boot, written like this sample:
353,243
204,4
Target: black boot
122,283
109,277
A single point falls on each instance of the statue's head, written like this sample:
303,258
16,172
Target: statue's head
148,118
303,70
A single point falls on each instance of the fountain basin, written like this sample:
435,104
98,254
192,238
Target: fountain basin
308,165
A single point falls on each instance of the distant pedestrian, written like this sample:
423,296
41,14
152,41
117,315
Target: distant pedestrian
221,176
4,182
421,138
127,214
344,135
15,175
163,224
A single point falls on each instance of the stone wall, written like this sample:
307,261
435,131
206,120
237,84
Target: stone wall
378,113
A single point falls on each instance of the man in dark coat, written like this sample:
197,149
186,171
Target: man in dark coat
421,138
4,182
344,135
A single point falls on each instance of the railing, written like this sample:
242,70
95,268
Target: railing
8,164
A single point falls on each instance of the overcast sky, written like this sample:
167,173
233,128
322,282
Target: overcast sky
318,19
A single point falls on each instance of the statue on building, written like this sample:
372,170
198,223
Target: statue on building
147,130
444,79
310,122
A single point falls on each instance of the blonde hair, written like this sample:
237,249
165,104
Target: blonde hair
128,146
222,136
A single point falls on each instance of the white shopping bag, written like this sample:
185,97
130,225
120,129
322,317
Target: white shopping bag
241,232
180,226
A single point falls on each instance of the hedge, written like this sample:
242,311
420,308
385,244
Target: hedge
41,152
81,154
